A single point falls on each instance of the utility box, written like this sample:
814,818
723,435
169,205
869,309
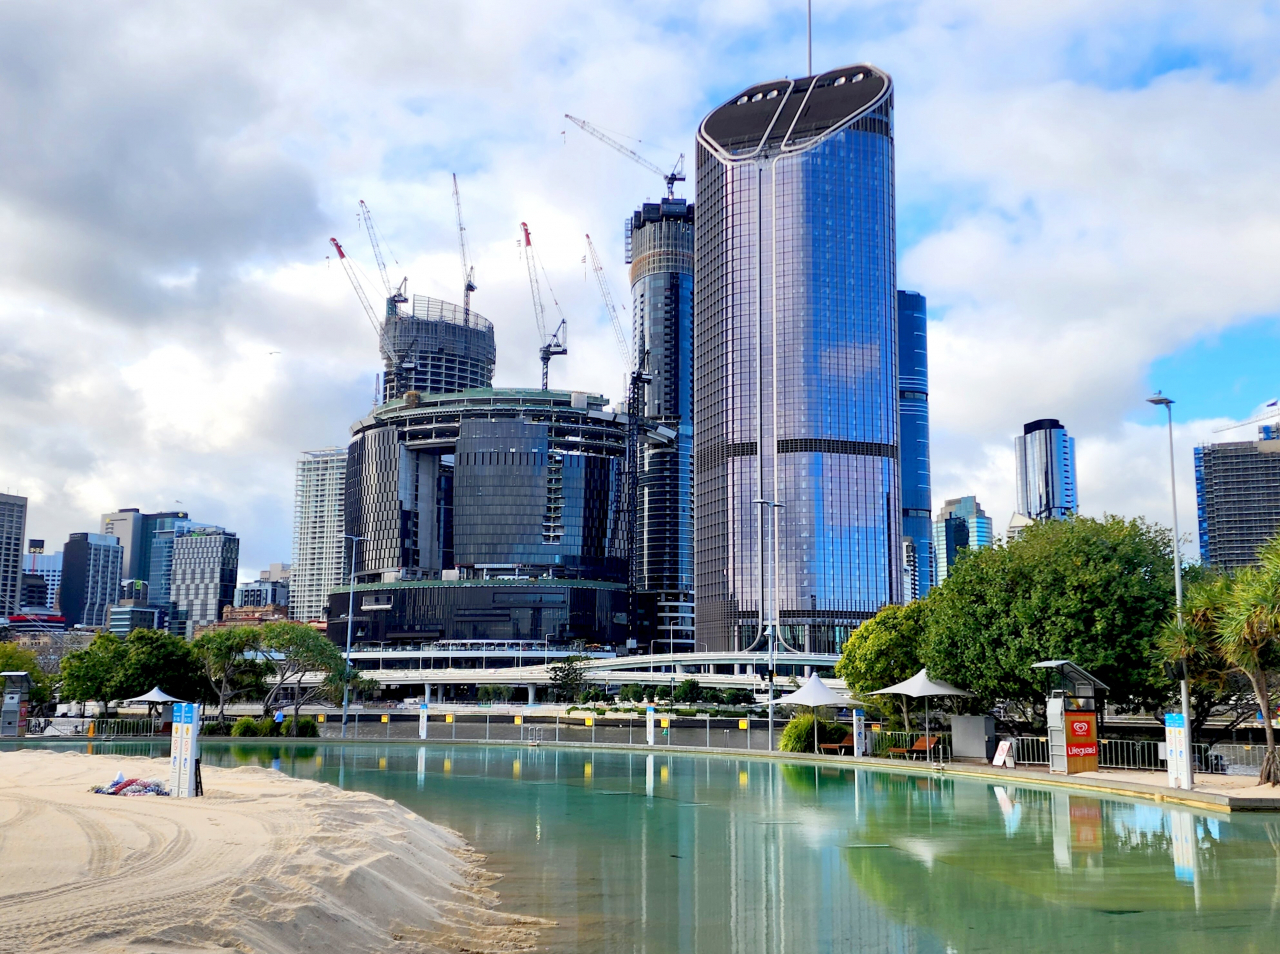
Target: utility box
973,737
13,709
1071,710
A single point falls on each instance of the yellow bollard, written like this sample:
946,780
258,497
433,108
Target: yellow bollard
91,728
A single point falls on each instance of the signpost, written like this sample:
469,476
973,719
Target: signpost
648,733
422,719
861,744
186,721
1177,756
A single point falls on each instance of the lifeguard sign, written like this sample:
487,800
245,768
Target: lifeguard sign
1072,707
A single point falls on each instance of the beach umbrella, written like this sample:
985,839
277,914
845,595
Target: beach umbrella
156,695
813,694
920,685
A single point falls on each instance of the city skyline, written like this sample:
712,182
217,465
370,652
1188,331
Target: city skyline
989,230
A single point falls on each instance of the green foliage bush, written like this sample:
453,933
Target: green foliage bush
739,697
494,693
246,727
268,727
662,692
307,728
216,728
798,734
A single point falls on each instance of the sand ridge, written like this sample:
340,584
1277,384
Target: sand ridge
263,863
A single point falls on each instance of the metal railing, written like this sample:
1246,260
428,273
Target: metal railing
65,727
911,745
1143,755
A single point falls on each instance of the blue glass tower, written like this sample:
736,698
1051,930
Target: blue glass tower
913,413
798,497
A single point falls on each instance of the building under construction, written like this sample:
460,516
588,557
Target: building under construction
435,348
660,252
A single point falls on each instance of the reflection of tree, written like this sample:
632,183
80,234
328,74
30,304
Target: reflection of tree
958,876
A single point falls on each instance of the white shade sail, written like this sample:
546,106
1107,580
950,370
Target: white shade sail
155,695
812,693
921,685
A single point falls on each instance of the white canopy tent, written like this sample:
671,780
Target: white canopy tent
156,695
813,694
920,685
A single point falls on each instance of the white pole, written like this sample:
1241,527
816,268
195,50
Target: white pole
351,621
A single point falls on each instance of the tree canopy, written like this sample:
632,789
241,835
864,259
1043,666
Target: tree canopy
885,650
1096,592
111,668
15,659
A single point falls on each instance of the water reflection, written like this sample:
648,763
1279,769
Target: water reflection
655,853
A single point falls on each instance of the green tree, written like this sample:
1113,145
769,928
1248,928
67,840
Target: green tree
14,659
298,651
689,690
156,658
92,672
1096,592
885,650
631,692
567,679
233,662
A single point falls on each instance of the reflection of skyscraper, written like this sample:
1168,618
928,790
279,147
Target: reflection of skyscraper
961,525
1046,459
796,355
913,412
660,250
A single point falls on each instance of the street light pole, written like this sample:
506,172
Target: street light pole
351,621
1167,404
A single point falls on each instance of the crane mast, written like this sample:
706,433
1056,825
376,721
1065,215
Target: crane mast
468,270
550,345
675,175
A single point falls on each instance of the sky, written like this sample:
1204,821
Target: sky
1086,195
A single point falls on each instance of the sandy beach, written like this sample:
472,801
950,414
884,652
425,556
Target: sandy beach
262,863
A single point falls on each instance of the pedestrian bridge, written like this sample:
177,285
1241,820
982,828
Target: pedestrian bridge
532,664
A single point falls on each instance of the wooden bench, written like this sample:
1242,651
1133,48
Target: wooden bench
838,747
923,746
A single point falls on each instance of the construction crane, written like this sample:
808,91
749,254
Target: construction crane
394,300
618,333
1271,415
377,249
553,344
675,175
355,283
468,270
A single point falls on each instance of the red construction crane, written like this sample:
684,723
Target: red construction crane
553,344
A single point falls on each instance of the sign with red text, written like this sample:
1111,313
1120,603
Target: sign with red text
1082,742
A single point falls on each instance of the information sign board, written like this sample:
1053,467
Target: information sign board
188,713
648,734
422,720
1082,741
1004,754
1177,756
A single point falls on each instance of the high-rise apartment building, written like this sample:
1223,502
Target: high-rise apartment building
271,588
91,565
1046,459
318,543
913,414
796,354
128,526
206,561
660,251
1237,499
13,530
961,524
147,539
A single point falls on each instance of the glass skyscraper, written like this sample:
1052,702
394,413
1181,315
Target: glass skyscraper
660,251
1046,458
796,353
962,524
913,413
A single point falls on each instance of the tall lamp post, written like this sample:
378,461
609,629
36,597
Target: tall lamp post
351,621
773,506
1167,404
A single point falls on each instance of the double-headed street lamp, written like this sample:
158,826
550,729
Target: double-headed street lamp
351,621
1167,404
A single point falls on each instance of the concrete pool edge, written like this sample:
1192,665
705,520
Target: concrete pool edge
1208,801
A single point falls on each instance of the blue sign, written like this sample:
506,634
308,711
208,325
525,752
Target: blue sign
1174,721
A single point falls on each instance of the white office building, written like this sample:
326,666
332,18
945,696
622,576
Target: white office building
318,552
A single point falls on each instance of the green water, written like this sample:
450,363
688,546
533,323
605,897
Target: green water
666,853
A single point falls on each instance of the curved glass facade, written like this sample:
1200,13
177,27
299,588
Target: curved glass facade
796,353
661,242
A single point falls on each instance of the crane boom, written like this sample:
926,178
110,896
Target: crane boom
618,333
355,283
468,270
1272,415
675,175
377,249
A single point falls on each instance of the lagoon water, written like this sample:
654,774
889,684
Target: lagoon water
655,854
